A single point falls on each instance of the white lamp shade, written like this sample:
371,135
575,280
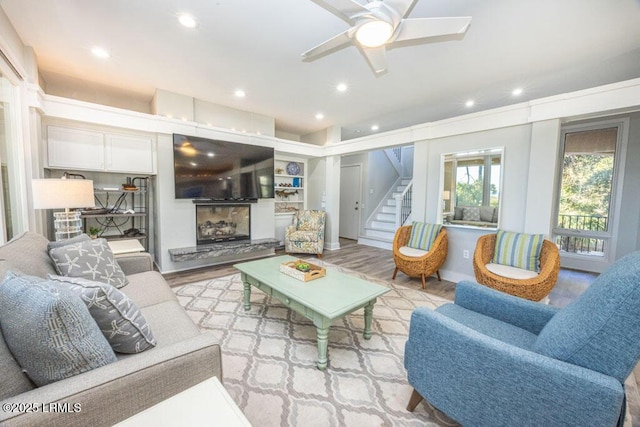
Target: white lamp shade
62,193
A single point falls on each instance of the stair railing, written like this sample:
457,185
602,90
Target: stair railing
403,205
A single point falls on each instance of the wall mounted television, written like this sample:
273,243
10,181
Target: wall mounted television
221,170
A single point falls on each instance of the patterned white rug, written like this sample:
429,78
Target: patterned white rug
269,357
270,354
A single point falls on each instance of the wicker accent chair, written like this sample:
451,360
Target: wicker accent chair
422,266
533,289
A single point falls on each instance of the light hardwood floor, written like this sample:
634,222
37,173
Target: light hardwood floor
379,263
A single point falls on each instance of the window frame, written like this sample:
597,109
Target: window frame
583,261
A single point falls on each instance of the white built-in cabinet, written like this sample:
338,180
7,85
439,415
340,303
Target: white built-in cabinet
81,149
290,194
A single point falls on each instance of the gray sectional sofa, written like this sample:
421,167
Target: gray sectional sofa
183,356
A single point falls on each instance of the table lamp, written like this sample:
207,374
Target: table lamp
64,194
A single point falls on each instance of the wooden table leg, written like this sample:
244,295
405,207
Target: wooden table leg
322,327
368,317
247,295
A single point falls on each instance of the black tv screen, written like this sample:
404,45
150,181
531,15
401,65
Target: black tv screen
221,170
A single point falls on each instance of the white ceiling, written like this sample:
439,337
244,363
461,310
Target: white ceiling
544,46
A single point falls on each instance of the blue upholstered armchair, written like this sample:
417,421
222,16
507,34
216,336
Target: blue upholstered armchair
495,359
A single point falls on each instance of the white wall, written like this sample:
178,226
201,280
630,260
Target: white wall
516,142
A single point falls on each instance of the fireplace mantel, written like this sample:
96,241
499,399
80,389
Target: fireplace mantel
213,250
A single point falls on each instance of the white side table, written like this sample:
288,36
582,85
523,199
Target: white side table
205,404
127,246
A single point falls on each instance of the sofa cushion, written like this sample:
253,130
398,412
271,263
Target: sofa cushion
304,236
412,252
310,220
28,253
92,260
119,319
14,381
423,235
49,330
518,250
489,326
511,272
148,288
171,323
600,330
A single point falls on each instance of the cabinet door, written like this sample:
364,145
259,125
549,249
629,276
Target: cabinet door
75,149
129,154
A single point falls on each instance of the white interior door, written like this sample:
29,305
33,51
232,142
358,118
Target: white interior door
350,203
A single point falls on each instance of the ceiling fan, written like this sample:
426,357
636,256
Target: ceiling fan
378,24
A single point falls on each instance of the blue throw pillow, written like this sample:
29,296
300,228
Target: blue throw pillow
49,330
119,319
518,250
423,235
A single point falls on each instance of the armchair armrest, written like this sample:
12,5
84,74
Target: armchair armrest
479,380
121,389
137,262
525,314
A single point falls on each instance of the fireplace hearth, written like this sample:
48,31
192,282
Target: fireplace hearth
221,223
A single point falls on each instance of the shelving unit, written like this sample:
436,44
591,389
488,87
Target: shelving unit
289,181
113,213
290,194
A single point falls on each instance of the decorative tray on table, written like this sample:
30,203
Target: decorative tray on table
297,269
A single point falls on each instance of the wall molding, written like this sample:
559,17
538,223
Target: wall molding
620,97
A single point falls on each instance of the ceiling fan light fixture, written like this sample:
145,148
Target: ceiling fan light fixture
374,33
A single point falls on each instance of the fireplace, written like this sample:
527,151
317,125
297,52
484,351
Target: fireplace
221,223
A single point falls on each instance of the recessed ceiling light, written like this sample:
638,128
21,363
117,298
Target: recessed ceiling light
517,91
375,127
240,93
100,52
319,116
342,87
469,103
187,20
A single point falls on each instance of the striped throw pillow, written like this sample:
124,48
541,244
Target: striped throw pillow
423,235
518,250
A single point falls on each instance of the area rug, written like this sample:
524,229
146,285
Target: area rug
270,354
269,358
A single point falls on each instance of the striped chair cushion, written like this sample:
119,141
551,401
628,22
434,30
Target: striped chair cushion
518,250
423,235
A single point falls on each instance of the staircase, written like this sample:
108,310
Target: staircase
382,225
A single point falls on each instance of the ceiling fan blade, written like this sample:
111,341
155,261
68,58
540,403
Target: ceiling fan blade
420,28
403,7
343,9
330,46
376,57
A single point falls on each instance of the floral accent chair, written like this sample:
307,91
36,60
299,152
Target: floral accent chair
306,234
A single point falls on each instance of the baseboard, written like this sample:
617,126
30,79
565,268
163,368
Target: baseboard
332,246
455,277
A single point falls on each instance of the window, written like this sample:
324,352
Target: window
586,196
471,179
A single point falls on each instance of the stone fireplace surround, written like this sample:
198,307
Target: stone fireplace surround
222,230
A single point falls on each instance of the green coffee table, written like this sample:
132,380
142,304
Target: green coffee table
320,300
